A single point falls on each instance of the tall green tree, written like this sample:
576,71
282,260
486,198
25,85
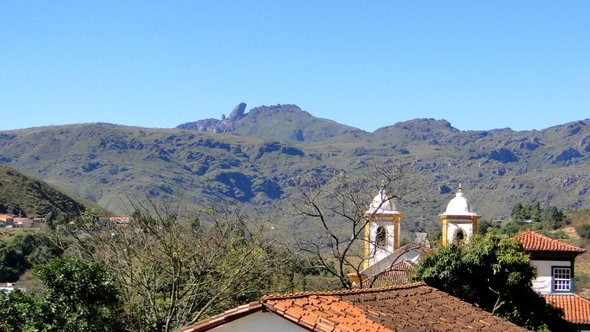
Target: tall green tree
493,273
80,296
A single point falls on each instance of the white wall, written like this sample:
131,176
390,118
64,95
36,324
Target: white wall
259,321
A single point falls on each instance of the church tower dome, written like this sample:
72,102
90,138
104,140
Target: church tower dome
459,205
459,221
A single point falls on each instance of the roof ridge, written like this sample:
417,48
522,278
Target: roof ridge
222,318
565,295
340,292
566,246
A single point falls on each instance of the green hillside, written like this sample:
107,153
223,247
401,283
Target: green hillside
257,164
23,195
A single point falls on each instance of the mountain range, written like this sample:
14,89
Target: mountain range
253,159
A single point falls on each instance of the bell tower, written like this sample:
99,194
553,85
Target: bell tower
382,229
459,221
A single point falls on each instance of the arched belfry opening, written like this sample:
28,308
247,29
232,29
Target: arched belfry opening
381,237
459,236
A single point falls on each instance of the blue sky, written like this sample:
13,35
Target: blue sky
478,64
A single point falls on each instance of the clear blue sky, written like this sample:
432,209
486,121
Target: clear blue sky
478,64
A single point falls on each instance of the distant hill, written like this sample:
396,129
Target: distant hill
23,195
254,159
275,123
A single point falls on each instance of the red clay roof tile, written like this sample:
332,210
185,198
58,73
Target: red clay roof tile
397,274
411,307
575,307
532,241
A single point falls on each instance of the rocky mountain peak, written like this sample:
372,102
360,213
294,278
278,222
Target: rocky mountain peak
237,112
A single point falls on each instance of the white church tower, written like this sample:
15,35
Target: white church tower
382,230
459,222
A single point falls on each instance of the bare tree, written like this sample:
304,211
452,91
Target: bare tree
335,211
174,270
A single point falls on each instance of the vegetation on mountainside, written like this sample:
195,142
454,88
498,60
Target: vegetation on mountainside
28,197
581,222
493,273
529,217
109,164
104,163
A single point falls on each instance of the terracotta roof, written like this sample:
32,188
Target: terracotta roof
411,307
323,313
411,251
532,241
396,275
576,308
120,219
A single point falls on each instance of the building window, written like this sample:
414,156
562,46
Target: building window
562,279
381,237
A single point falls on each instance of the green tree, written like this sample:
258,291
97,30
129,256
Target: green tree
22,251
535,212
583,231
518,212
553,217
493,273
19,312
80,296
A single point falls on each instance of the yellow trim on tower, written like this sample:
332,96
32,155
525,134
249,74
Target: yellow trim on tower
396,221
367,243
444,231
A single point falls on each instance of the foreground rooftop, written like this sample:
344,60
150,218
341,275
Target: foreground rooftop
411,307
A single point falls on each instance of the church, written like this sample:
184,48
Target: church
380,302
387,263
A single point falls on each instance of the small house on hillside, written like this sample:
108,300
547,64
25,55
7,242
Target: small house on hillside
554,262
411,307
6,220
120,220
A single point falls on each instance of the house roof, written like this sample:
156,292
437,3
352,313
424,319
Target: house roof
576,308
411,307
532,241
397,274
411,252
223,318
